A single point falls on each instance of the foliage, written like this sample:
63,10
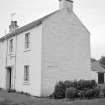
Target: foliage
68,84
59,91
86,84
81,84
104,92
79,88
81,93
93,60
102,60
92,93
71,93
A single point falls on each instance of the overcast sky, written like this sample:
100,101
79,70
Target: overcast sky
90,12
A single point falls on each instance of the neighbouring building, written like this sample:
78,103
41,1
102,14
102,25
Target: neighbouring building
99,71
33,58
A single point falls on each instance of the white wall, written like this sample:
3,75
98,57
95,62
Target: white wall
94,76
3,47
21,57
32,57
7,59
65,50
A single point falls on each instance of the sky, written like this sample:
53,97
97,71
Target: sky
90,12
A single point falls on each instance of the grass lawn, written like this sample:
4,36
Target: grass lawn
18,99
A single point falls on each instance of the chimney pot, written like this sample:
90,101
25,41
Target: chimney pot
13,26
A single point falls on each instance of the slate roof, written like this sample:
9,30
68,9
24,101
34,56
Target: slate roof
27,27
97,67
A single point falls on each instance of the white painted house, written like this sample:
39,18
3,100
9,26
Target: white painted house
33,58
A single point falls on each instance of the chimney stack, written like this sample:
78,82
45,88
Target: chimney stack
66,4
13,26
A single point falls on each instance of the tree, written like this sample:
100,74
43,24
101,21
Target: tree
93,60
102,60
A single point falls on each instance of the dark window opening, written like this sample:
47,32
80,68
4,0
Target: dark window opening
100,78
27,40
26,73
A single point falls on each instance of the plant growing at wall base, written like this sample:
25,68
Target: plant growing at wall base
59,91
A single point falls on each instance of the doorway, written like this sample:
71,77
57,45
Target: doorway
9,78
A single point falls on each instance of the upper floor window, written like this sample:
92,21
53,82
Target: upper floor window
27,40
26,73
11,45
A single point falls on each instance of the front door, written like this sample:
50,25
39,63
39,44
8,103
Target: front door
9,78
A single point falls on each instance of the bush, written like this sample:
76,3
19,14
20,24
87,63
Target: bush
92,93
96,92
59,91
68,84
83,87
83,84
104,92
93,84
71,93
81,93
89,93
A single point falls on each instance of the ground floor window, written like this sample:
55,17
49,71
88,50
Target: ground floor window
26,73
100,78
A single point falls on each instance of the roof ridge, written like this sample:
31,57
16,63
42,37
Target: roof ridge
27,26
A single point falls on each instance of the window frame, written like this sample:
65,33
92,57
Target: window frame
26,73
101,78
11,45
27,40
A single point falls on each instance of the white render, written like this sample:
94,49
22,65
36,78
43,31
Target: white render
65,50
60,50
21,57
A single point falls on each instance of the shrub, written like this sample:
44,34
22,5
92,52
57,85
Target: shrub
81,93
93,83
83,87
89,93
59,91
68,84
92,93
83,84
104,92
96,92
71,93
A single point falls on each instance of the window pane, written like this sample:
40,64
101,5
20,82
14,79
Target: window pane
27,40
100,78
26,73
11,45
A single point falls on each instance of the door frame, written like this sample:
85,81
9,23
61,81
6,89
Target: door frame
9,77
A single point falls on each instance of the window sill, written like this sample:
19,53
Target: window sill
26,83
27,50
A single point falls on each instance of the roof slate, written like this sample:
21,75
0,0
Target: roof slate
27,27
96,66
